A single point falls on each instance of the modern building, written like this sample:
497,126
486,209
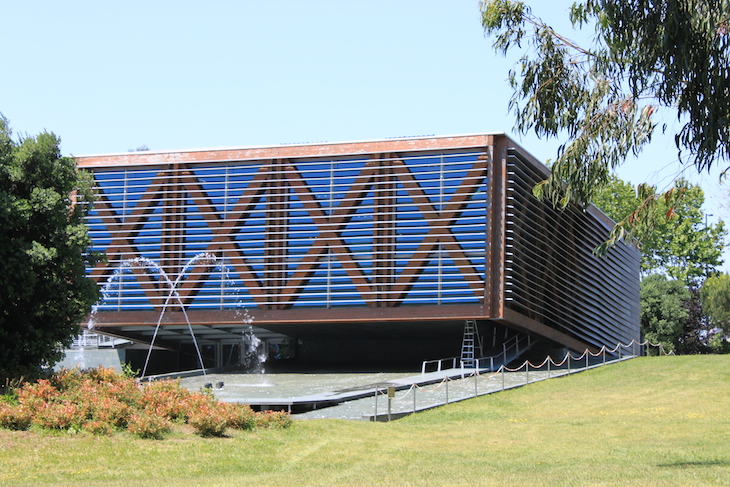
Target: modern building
390,250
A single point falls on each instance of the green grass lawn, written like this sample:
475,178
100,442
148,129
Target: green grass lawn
648,421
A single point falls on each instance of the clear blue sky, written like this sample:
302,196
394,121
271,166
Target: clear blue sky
112,76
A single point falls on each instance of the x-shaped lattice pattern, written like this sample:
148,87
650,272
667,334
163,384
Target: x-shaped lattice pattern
330,223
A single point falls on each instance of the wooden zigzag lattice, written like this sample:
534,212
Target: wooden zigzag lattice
273,181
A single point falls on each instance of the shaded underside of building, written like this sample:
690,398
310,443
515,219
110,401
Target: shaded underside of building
364,251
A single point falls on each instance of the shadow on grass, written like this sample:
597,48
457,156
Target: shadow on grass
706,463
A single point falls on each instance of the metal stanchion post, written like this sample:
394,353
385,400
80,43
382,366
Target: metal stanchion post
414,397
503,377
476,386
376,404
569,363
447,390
527,373
548,362
391,395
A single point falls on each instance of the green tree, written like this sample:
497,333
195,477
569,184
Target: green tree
685,249
715,296
617,199
663,310
44,291
682,245
648,59
695,337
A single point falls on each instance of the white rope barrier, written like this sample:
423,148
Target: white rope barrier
527,366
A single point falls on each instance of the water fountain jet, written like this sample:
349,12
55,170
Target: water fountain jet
154,269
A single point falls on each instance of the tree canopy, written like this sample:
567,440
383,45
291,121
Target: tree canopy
715,293
44,291
715,296
663,311
649,59
683,245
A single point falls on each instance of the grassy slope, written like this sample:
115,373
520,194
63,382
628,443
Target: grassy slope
649,421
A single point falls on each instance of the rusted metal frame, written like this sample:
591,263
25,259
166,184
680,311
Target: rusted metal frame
244,270
224,240
123,234
456,204
245,204
414,268
330,235
123,238
340,218
560,298
190,287
587,306
421,256
113,224
295,315
440,231
202,201
464,192
187,184
526,323
463,263
172,237
356,194
414,190
172,244
276,232
156,290
384,192
496,224
451,214
302,274
288,151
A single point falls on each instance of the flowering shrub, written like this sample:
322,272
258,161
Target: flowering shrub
60,416
209,419
274,419
127,391
111,411
36,396
167,398
147,424
98,428
101,401
240,416
105,374
14,417
67,379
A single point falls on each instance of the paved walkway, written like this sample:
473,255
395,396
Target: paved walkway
353,395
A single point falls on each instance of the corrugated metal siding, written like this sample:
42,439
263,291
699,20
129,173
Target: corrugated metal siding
551,274
399,238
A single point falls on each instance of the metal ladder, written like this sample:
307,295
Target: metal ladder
470,344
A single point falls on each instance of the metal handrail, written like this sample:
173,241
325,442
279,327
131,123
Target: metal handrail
506,347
